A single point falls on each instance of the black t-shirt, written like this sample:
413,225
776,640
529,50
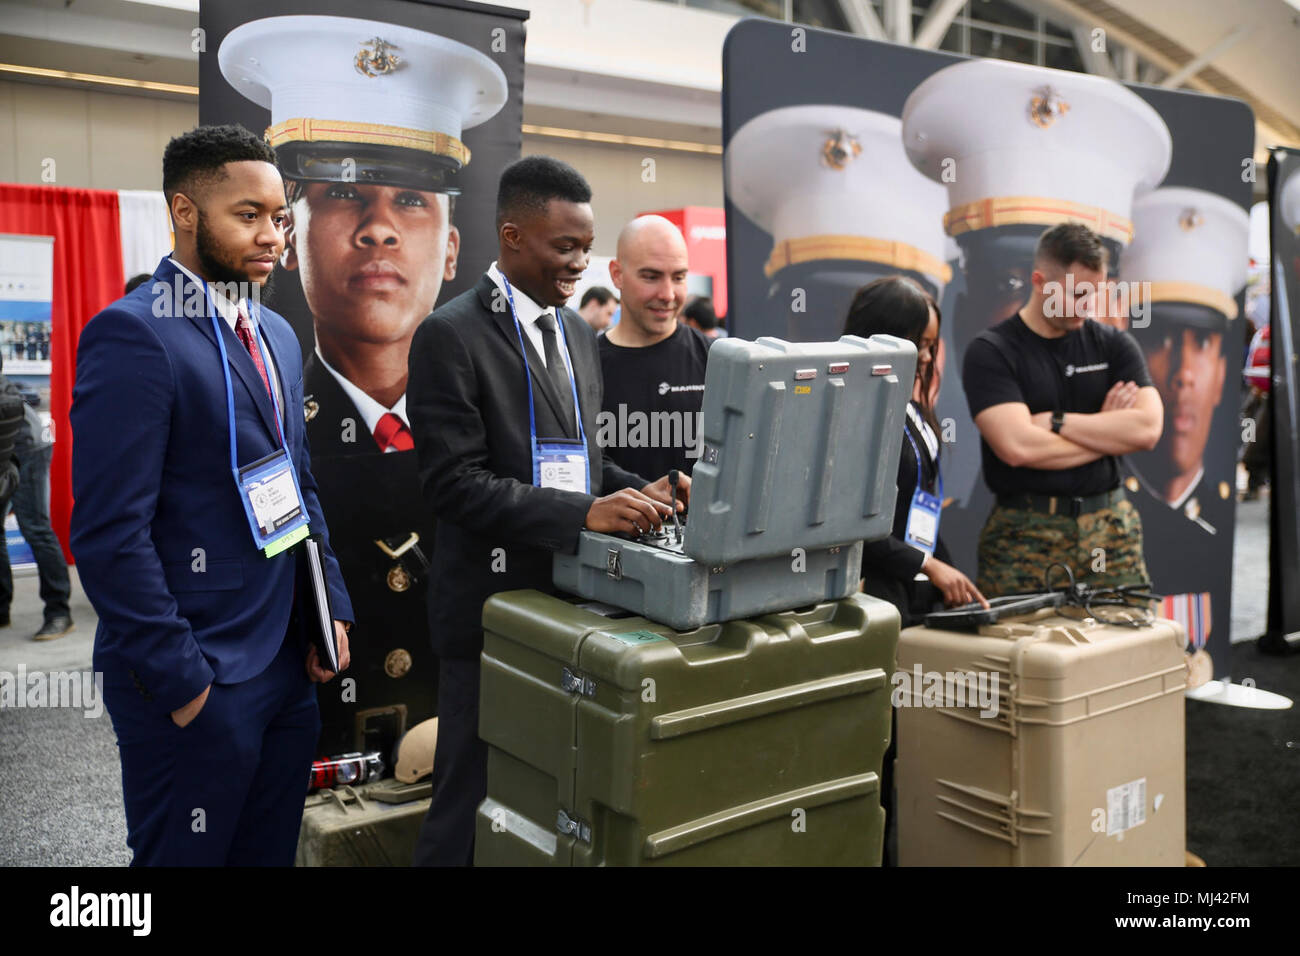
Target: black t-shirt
1012,363
650,422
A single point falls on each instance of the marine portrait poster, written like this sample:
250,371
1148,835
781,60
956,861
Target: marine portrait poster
848,159
392,122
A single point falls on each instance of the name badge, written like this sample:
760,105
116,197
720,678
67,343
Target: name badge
273,502
561,464
923,521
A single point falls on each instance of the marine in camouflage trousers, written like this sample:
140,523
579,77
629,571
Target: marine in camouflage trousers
1102,548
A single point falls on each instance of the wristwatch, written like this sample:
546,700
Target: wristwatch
1058,419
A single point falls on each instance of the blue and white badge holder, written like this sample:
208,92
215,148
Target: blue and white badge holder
925,510
268,488
557,462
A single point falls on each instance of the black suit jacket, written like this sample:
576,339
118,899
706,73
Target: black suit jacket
890,565
467,400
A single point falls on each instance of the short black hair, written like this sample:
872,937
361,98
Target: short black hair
528,184
597,292
1072,242
196,158
137,280
700,311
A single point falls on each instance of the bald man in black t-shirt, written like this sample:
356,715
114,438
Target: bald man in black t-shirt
652,363
1057,397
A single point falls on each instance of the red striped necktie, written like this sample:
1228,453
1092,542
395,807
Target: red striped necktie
244,332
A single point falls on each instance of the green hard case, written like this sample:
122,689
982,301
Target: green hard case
373,824
616,741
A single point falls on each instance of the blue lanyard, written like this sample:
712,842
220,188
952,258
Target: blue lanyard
230,393
938,472
532,414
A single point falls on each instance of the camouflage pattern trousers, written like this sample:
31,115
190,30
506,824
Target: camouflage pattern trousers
1103,547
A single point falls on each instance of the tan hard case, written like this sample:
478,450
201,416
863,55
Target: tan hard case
1081,765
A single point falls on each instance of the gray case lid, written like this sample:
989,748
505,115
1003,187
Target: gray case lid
801,444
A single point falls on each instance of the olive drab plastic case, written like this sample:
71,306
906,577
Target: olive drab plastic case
373,824
798,467
613,740
1081,762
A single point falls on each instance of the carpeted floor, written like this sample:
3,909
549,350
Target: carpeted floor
1243,770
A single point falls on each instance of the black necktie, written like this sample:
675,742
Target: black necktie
557,370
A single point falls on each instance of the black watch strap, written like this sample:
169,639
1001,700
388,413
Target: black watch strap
1058,419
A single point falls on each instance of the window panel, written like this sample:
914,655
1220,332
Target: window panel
820,13
1001,46
1062,57
1002,13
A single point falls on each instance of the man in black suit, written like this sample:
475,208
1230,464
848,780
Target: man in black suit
499,517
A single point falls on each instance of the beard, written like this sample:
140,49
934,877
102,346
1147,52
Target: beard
220,266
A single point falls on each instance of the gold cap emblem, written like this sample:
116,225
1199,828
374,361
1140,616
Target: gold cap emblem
840,149
1190,219
1046,107
374,58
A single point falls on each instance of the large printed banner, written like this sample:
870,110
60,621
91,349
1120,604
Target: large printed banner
26,320
392,122
26,304
848,159
1284,502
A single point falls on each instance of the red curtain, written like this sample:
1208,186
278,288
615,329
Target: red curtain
87,277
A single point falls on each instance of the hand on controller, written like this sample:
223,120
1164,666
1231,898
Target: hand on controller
626,512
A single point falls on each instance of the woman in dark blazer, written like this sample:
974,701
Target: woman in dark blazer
910,576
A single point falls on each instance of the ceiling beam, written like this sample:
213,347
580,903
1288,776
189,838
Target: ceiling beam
898,20
1200,62
1128,65
1076,14
862,20
936,23
1094,61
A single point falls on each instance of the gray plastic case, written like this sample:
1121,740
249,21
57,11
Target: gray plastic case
800,452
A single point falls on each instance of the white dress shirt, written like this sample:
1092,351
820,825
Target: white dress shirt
528,312
1195,483
230,312
371,411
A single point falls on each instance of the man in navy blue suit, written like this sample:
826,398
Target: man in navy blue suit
207,668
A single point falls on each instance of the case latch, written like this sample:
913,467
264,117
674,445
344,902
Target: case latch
566,824
574,683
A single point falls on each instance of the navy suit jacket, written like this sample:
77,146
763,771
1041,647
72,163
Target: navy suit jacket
160,535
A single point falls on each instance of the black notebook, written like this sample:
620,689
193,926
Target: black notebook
318,616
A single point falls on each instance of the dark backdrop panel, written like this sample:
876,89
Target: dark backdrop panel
1284,492
368,496
1211,137
493,145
